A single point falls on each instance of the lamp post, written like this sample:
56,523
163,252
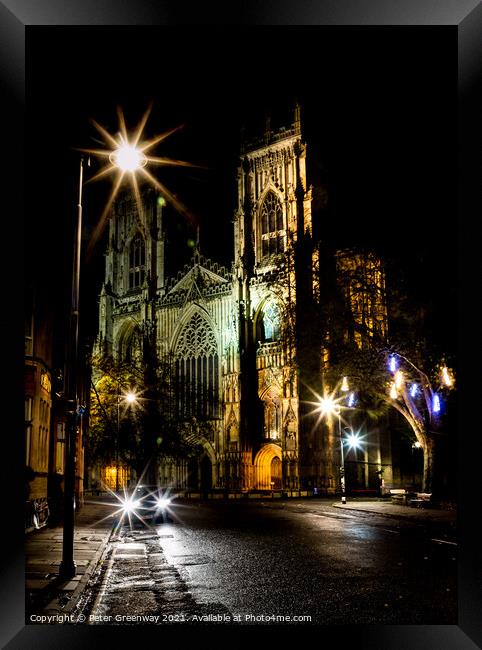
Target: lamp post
130,398
328,407
342,466
117,442
126,158
67,568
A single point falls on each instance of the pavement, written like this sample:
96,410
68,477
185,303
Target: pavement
46,596
388,509
45,593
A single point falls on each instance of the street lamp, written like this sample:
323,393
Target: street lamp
125,158
67,568
329,407
130,398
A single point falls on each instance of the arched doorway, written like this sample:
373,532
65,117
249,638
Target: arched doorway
267,468
276,482
206,473
192,474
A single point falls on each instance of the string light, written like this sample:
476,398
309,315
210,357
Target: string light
393,392
344,385
351,399
436,403
398,379
392,363
414,390
446,377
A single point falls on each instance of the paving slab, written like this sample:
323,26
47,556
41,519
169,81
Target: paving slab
43,554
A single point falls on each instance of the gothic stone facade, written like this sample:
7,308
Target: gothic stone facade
235,335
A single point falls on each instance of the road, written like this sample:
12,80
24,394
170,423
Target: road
246,562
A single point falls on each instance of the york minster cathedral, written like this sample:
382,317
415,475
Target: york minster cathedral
243,343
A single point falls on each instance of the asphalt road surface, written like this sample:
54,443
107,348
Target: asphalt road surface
250,562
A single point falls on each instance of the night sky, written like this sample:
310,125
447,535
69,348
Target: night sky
379,111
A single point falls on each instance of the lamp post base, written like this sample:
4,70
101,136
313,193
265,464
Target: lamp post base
67,570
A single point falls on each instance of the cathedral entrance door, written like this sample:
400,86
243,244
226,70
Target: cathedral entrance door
206,473
193,470
267,468
276,473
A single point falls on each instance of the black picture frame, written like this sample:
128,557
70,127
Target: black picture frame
15,16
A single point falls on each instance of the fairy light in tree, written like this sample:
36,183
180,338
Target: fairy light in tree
393,391
398,379
446,378
436,403
392,363
351,399
344,385
414,390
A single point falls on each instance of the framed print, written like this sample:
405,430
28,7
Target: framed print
245,405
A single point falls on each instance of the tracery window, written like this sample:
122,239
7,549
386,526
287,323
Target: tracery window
271,322
197,371
132,348
272,416
272,226
137,262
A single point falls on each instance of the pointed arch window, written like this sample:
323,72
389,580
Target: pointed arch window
197,371
270,323
137,262
272,417
272,226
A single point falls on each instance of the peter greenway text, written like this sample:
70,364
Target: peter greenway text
159,619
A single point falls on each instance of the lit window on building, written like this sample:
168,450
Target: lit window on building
363,282
28,428
137,262
271,323
60,448
272,226
197,371
272,417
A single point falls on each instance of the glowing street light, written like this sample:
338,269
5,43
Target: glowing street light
354,441
328,406
127,158
130,398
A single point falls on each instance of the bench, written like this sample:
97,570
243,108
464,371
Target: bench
421,500
398,496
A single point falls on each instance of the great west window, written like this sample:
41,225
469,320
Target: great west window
197,371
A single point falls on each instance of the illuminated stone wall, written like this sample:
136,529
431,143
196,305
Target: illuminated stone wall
241,336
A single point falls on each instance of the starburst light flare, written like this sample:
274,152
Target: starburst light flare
127,156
